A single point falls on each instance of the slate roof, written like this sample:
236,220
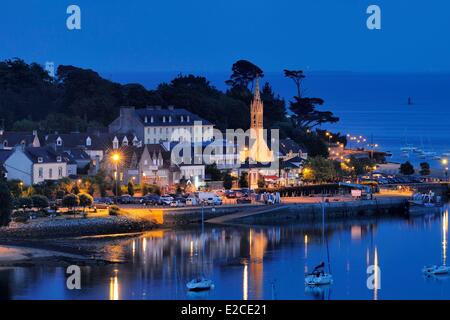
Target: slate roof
175,113
295,162
48,154
287,145
15,138
99,140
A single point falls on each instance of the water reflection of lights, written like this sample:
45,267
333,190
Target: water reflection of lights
444,237
245,283
134,247
306,246
144,245
114,287
376,275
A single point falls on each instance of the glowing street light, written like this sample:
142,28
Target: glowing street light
115,159
445,164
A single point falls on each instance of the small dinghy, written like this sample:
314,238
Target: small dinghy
318,280
436,270
199,284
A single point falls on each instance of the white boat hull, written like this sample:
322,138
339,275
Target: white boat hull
199,285
313,280
436,270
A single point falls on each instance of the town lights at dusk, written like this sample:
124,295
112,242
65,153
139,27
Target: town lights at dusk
230,151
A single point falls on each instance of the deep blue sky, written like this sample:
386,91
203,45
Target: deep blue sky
209,35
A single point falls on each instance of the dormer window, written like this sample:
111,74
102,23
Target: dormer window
164,118
58,159
170,119
125,141
182,119
145,119
40,159
59,141
135,141
151,119
88,141
188,118
115,143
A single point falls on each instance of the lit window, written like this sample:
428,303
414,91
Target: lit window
59,141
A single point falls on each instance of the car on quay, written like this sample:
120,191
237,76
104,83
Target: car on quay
150,199
166,200
213,201
178,202
192,201
243,200
125,199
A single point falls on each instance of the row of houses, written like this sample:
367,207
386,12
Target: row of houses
146,140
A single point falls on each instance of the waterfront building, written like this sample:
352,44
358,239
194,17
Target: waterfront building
152,164
33,165
155,124
257,151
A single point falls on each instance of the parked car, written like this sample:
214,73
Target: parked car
100,205
192,201
213,201
243,200
125,199
230,194
150,199
165,200
179,202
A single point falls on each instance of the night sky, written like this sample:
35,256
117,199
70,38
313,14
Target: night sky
209,35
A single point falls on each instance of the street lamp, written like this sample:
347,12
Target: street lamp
115,159
445,164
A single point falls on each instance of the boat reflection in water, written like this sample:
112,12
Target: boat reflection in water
257,262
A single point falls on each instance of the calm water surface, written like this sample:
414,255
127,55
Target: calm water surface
258,262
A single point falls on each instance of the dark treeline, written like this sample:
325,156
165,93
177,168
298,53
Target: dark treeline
80,98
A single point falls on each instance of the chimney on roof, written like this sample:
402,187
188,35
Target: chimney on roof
170,107
158,107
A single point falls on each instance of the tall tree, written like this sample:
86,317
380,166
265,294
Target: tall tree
407,168
297,76
307,116
244,73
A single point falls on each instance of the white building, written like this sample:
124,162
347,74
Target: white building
154,125
35,165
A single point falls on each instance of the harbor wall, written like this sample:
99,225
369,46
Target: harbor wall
276,213
333,210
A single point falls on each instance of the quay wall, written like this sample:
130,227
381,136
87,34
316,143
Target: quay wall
275,213
333,210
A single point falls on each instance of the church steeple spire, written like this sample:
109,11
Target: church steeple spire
257,95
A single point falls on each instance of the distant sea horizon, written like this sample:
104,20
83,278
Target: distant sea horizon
373,105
